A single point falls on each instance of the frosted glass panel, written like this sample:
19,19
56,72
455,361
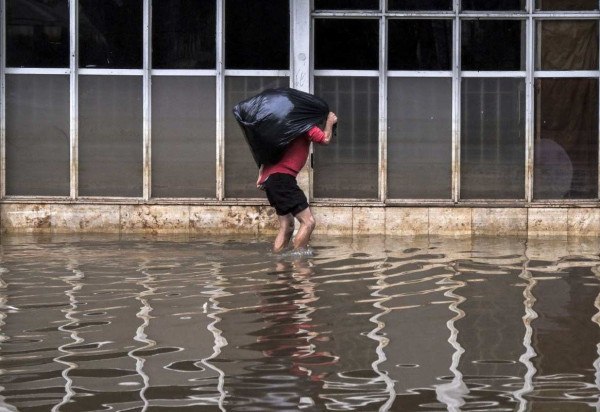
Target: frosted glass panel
566,139
183,137
492,152
419,138
347,167
110,136
37,135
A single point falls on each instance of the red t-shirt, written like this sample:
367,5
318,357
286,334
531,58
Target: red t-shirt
295,155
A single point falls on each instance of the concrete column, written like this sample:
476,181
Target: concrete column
301,64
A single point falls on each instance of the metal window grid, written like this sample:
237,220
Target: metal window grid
301,75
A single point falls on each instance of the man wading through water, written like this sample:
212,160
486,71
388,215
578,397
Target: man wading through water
279,182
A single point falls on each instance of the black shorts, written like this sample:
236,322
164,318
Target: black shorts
284,194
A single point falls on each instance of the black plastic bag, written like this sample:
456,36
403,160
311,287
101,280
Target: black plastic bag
272,119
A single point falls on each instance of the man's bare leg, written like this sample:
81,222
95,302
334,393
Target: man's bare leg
286,230
307,225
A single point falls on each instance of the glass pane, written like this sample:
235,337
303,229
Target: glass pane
550,5
37,33
183,34
419,4
110,136
420,45
567,45
338,44
566,139
347,4
240,170
257,34
183,137
37,135
493,4
110,33
492,153
419,138
348,166
493,45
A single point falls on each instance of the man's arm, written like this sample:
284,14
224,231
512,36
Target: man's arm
328,130
323,136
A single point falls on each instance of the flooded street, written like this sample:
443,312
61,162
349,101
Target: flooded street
366,324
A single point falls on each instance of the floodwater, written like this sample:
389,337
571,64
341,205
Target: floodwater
365,324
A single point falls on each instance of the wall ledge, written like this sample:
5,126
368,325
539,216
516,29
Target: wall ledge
331,220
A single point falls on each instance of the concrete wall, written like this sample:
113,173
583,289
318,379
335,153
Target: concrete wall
331,220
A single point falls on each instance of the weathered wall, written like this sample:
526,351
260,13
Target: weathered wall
402,221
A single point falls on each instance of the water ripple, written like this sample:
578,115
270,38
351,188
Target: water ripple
365,324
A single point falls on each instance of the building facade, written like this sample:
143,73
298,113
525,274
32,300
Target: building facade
456,116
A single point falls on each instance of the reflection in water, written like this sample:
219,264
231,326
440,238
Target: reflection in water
452,393
74,281
529,353
367,324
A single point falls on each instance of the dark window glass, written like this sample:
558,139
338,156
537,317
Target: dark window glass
419,138
346,44
567,45
183,34
257,34
347,4
348,166
110,136
493,45
110,33
37,135
566,139
183,136
550,5
240,170
493,5
37,33
492,148
420,45
419,4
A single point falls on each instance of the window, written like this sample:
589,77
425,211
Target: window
566,139
419,138
493,5
110,136
493,45
183,34
37,135
257,34
346,44
567,45
183,136
110,34
420,45
346,4
348,166
37,33
574,5
420,4
492,154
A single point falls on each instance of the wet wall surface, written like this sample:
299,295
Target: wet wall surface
367,324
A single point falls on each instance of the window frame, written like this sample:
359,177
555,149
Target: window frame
301,75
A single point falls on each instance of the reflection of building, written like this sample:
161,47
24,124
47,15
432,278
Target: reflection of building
372,325
129,101
101,326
